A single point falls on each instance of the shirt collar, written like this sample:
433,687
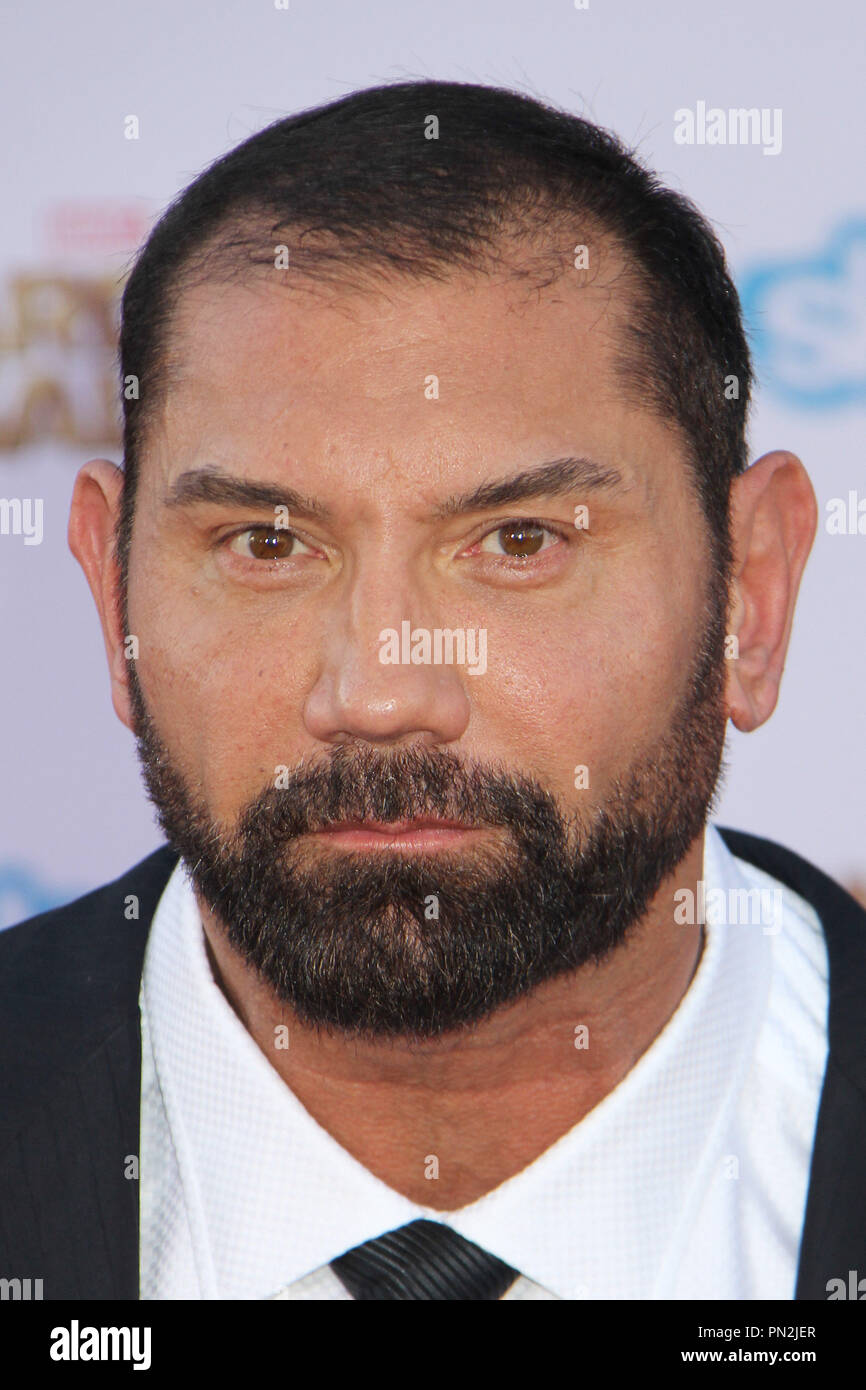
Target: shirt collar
604,1210
596,1215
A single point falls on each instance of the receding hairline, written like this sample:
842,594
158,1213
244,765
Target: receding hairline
325,268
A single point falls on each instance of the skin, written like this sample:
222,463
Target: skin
589,642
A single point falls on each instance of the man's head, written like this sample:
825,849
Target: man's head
419,180
489,382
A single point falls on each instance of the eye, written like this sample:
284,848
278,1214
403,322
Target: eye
520,540
267,543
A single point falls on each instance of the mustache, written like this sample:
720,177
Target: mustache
362,784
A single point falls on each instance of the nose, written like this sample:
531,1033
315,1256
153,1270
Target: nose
362,692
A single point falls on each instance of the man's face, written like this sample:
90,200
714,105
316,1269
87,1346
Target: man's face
266,715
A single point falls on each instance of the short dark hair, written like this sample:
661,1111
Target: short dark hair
357,188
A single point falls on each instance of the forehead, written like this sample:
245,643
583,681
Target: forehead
471,325
433,375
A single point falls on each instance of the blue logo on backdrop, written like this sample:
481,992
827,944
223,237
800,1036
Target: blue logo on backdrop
23,895
807,322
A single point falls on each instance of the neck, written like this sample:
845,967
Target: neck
487,1101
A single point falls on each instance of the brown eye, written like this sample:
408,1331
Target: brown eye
265,543
518,539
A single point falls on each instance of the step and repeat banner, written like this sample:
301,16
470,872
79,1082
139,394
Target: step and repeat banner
755,110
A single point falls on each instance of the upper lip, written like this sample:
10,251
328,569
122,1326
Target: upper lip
398,827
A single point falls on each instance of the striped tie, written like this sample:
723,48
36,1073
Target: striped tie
422,1260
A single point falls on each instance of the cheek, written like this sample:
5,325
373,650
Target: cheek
225,693
595,693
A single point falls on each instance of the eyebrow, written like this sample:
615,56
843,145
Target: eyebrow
212,485
558,478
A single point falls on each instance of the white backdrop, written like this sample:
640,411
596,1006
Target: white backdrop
200,76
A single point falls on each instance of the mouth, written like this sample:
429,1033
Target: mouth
422,832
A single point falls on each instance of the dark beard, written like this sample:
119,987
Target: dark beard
414,945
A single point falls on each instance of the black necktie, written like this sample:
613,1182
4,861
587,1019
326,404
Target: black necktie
422,1260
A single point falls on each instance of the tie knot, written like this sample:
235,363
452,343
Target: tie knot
422,1260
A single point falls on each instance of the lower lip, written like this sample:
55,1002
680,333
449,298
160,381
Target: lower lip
428,837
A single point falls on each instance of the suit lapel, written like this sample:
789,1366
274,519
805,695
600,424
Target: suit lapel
834,1230
70,1083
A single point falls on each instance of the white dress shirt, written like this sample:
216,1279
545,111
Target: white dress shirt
687,1181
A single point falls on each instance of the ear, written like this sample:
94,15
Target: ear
774,516
92,519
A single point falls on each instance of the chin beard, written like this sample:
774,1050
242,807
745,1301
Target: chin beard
416,945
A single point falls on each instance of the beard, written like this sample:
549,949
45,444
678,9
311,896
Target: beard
413,945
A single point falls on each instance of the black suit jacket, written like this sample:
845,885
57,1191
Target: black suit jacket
70,1079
